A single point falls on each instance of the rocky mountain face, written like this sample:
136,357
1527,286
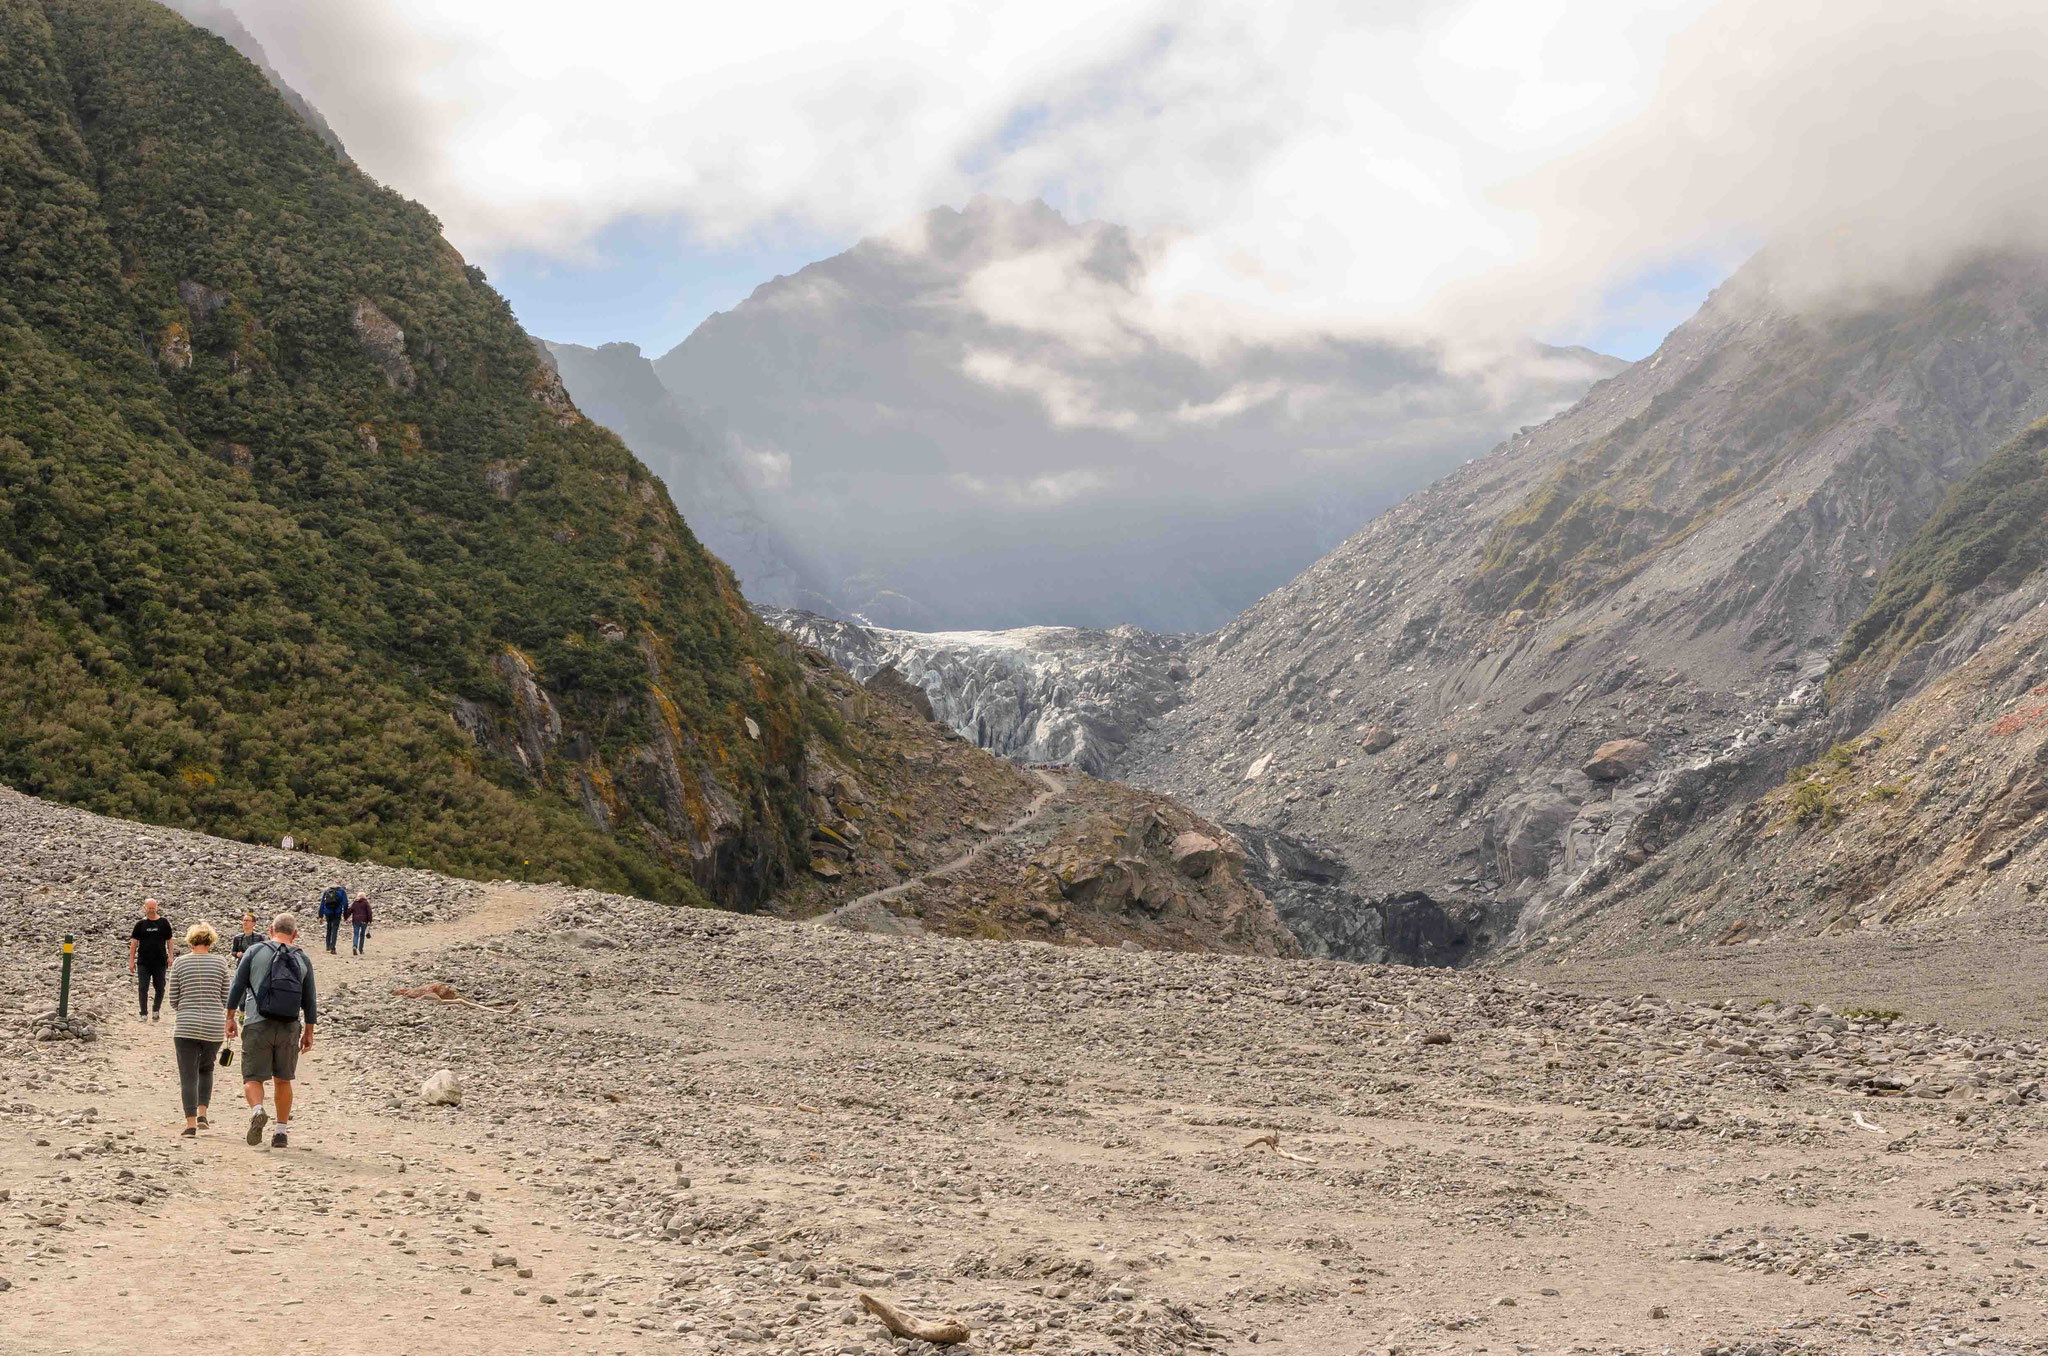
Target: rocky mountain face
1037,694
1537,675
914,831
1928,803
616,386
297,533
978,420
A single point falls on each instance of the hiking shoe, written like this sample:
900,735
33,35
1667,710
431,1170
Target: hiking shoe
188,1133
258,1118
202,1123
277,1140
156,1016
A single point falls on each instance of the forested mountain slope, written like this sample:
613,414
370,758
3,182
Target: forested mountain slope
297,532
1567,655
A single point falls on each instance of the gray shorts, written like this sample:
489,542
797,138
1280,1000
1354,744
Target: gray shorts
270,1049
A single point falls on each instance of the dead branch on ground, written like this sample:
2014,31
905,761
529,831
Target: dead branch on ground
439,992
944,1332
1271,1140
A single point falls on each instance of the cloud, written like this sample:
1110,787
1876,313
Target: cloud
1049,491
1436,164
1069,399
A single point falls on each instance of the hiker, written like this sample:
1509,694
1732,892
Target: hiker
272,992
149,958
247,937
199,995
359,921
333,908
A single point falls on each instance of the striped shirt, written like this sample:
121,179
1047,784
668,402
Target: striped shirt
198,992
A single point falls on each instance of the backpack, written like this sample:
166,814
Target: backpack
334,902
283,991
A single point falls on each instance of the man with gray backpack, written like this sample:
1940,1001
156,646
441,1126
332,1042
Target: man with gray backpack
273,996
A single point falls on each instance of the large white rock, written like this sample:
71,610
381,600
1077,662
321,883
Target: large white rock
443,1089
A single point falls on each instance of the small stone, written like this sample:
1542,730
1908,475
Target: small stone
442,1089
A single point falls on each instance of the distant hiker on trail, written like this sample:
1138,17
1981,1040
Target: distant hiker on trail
272,993
199,995
149,958
247,937
333,908
359,919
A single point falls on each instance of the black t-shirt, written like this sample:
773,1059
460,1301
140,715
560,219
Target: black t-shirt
245,940
155,936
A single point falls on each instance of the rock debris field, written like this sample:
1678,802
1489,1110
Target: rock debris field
697,1132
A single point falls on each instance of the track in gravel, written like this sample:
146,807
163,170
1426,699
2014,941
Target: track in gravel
1054,788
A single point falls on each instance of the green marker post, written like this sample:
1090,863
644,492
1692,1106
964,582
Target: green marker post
64,983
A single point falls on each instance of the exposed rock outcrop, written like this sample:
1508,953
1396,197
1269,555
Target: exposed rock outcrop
384,342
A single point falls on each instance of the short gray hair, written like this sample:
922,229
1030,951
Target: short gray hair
286,924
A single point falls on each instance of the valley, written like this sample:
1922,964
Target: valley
987,783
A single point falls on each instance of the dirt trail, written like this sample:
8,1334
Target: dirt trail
306,1249
1054,788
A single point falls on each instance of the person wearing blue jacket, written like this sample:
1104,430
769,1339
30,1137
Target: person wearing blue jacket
334,908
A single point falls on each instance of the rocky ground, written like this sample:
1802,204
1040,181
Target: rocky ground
698,1132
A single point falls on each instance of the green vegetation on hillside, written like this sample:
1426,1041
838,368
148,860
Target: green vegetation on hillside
1991,530
255,547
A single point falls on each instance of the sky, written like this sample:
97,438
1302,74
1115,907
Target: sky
1577,170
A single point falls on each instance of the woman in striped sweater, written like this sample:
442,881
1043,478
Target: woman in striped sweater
198,992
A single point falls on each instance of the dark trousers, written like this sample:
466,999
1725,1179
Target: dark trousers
195,1072
146,975
333,929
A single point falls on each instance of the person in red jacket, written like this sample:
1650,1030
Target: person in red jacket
359,921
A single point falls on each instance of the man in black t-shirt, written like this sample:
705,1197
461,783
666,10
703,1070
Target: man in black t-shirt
247,937
149,958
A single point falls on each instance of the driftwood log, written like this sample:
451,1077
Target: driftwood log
1271,1140
943,1332
439,992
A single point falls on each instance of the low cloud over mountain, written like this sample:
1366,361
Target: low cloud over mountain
978,419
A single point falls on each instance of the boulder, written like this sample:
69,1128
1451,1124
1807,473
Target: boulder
889,684
1526,830
1195,854
1618,759
1540,702
442,1089
1378,739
